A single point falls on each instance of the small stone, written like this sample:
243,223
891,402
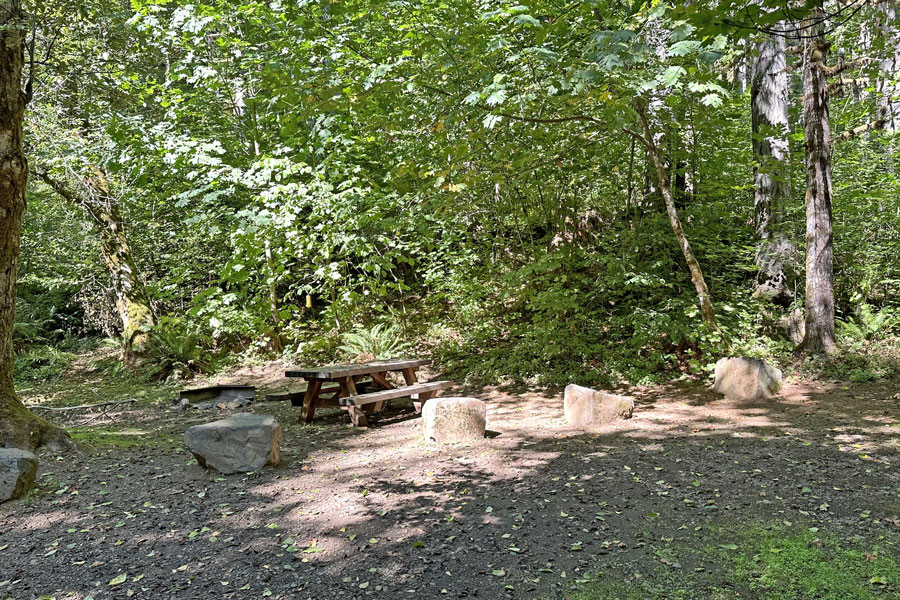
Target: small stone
239,444
453,420
746,379
18,469
583,406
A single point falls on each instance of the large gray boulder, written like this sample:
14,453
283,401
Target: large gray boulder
448,420
239,444
746,379
584,407
18,469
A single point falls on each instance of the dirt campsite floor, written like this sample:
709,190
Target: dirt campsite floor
532,511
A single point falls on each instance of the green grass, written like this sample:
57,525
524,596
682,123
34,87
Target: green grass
771,563
117,437
815,565
102,379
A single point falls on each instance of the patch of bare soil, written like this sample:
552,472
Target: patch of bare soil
375,513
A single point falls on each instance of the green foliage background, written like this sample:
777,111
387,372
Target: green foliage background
461,169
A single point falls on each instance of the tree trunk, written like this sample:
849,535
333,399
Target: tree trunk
132,302
706,306
889,66
819,248
776,254
277,338
18,427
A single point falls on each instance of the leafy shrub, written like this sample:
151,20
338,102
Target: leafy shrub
33,324
41,363
866,325
378,342
177,351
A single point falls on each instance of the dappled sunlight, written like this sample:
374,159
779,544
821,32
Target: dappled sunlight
381,509
50,519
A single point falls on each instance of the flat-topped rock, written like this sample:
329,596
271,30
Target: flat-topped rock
447,420
239,444
18,469
740,378
584,407
218,396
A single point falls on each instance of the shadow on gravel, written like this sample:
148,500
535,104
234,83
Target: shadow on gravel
376,514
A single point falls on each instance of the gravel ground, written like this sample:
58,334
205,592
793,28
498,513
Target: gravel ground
375,513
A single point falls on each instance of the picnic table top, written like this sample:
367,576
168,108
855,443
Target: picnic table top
349,370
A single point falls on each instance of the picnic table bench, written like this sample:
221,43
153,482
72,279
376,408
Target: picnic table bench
346,396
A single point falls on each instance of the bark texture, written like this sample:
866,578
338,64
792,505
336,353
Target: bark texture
819,236
889,66
776,255
706,306
18,427
132,303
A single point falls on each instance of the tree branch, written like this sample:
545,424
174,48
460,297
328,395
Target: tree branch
857,131
514,117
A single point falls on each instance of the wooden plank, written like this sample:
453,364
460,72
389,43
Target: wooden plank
338,371
292,396
218,387
410,376
309,401
296,397
421,398
381,379
380,396
218,392
348,389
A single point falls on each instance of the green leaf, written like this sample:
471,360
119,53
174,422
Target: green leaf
526,20
671,76
684,48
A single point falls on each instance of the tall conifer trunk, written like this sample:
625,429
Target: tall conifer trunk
819,236
18,427
775,253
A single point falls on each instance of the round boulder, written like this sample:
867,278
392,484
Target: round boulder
448,420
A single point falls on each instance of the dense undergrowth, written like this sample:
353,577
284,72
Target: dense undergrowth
612,307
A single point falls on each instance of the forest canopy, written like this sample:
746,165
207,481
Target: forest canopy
545,192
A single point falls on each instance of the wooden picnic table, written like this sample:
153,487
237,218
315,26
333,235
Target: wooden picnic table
343,389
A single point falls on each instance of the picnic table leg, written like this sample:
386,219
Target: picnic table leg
309,399
420,399
367,408
381,379
348,388
409,375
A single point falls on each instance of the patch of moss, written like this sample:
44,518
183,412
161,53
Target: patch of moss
775,563
782,565
112,437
